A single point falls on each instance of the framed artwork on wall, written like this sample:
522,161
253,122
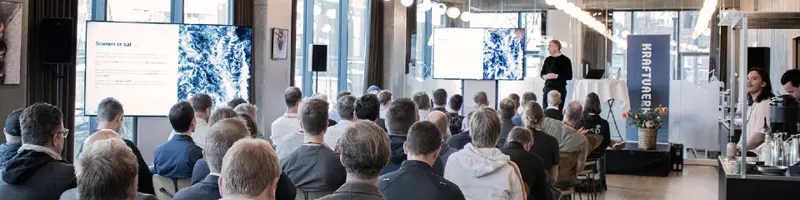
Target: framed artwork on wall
280,43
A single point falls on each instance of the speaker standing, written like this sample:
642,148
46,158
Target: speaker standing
556,71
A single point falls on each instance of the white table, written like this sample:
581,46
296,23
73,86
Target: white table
606,89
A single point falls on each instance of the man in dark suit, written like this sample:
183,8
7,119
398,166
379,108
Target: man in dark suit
530,165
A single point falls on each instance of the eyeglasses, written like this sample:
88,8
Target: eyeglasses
64,132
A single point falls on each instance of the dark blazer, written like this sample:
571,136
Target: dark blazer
284,191
398,156
459,140
416,180
200,171
72,194
355,191
554,113
532,169
7,151
176,158
208,189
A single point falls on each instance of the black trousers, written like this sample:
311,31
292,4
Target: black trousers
560,89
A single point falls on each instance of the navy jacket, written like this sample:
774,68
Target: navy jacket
397,156
416,180
7,151
517,120
208,188
284,191
532,169
200,171
458,140
176,158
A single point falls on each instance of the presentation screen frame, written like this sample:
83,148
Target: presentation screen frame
523,51
251,67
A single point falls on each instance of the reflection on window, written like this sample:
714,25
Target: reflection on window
81,123
357,46
205,12
326,31
138,11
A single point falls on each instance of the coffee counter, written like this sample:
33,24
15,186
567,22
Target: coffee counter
734,185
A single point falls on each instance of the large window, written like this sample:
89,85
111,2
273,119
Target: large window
138,11
326,32
205,12
357,45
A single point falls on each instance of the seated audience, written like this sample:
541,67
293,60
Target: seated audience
515,98
439,119
569,139
108,169
288,123
402,114
481,100
597,126
440,100
530,165
526,97
384,97
249,109
38,171
201,103
545,146
364,151
313,166
200,167
252,125
416,174
220,138
334,115
507,111
110,116
459,140
13,137
455,117
346,107
423,104
249,171
220,114
368,108
553,102
373,89
176,158
236,102
480,169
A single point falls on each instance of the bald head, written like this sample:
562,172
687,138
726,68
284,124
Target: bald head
100,135
441,121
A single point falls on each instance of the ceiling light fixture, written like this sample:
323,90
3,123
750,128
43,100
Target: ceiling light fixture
453,12
406,3
704,17
466,16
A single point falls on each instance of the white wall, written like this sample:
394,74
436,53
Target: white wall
272,76
779,41
14,96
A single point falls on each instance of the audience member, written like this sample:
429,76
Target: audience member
459,140
439,119
252,125
546,146
249,109
288,123
384,97
220,114
201,103
402,114
597,126
324,97
235,102
110,114
290,142
507,111
569,139
415,179
455,103
364,151
791,82
176,158
311,165
480,99
440,100
108,169
423,104
220,138
346,107
554,102
530,165
373,89
13,137
249,171
368,108
38,171
526,97
480,169
334,115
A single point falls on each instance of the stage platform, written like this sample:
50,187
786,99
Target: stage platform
634,161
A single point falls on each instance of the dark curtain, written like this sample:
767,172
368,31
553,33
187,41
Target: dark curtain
411,28
53,83
376,36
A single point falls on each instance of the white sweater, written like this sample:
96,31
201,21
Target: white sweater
484,174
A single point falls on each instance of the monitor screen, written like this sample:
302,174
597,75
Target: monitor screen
479,54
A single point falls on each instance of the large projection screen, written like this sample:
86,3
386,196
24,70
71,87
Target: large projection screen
149,67
479,53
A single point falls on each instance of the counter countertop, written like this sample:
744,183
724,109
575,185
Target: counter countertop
733,172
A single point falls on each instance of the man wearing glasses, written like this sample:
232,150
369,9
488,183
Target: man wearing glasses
38,171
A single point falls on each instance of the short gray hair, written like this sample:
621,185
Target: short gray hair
39,123
521,135
247,108
346,106
221,113
554,98
364,148
107,169
220,138
441,121
314,116
574,111
484,127
248,168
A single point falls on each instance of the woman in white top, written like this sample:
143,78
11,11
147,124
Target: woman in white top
759,90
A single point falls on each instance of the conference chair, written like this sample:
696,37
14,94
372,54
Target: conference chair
567,174
166,188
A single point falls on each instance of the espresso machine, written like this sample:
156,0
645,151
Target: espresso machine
782,142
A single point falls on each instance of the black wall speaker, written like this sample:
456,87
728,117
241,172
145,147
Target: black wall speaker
55,40
319,58
758,57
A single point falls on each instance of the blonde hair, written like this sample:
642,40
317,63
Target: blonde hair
107,169
554,98
484,128
248,168
246,108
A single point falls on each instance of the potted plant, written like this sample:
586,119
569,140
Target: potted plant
648,121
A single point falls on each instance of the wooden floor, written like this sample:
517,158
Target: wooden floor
695,182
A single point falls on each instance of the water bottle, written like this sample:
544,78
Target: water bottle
766,150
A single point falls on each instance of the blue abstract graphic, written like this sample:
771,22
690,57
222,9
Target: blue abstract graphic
504,54
215,60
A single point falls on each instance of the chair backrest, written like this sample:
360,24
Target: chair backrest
594,141
166,188
567,166
307,195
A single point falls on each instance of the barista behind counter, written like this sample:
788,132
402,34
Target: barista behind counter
759,90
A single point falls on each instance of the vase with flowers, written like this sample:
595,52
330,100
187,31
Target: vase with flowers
648,121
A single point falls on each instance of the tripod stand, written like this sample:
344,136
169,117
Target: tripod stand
610,103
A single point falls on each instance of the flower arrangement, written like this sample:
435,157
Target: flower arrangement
646,118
